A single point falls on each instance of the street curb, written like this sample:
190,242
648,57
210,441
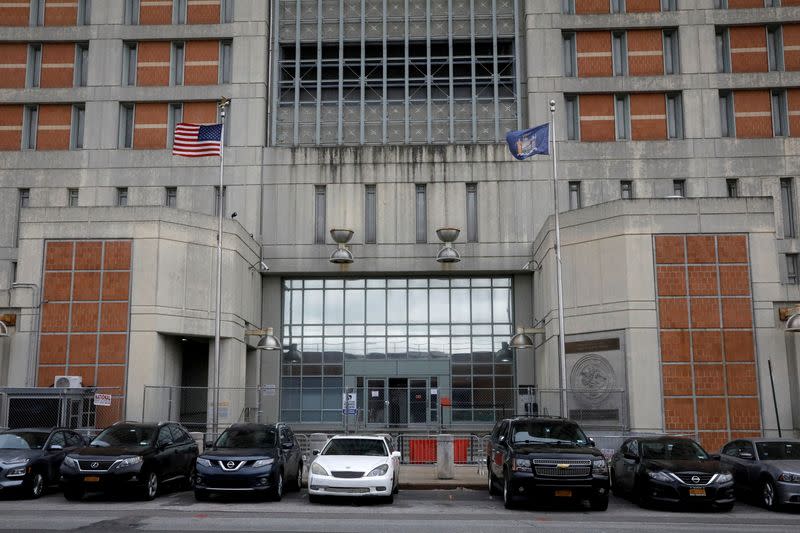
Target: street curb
433,485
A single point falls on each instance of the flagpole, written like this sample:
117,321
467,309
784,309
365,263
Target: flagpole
562,361
218,315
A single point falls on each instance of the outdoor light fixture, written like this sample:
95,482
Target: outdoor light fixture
341,255
3,329
522,339
793,323
448,254
268,341
293,355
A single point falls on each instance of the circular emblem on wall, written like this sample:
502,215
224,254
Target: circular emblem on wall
592,378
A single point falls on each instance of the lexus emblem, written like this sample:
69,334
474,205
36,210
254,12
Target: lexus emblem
95,465
695,479
230,464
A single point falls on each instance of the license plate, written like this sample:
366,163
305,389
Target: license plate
697,492
564,493
92,479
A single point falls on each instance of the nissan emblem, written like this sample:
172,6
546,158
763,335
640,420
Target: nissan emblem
695,479
230,464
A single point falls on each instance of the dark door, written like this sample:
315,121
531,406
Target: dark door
290,451
418,401
53,458
166,458
184,449
398,401
629,464
376,396
499,450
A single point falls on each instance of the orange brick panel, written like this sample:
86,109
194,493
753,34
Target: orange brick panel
793,98
745,413
712,441
700,249
200,112
53,349
13,64
732,248
678,413
791,42
597,117
711,413
709,380
115,316
150,126
113,348
201,65
703,280
87,255
737,313
670,249
203,12
645,53
55,317
734,280
790,3
152,63
111,376
743,4
594,53
10,127
47,375
155,12
15,13
671,280
58,65
86,286
118,255
642,6
742,380
57,286
749,49
59,256
739,345
675,346
54,125
84,317
707,346
753,110
705,313
648,117
82,349
677,380
87,374
583,7
673,313
116,285
61,13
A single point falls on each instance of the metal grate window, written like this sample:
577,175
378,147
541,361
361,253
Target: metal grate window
319,214
626,189
732,187
370,214
171,197
472,212
787,208
421,210
72,197
122,196
791,268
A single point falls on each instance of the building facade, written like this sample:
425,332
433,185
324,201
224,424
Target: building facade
677,128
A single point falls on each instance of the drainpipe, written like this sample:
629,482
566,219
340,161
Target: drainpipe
33,356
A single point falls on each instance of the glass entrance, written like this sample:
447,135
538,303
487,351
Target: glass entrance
399,401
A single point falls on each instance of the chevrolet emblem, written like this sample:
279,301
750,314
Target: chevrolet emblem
562,466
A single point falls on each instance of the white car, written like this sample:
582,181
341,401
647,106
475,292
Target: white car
351,465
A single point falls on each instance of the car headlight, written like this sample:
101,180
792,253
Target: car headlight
600,466
659,476
378,471
724,477
317,469
17,461
70,462
789,477
130,461
203,462
263,462
521,465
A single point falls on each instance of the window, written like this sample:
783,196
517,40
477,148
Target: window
34,65
618,6
77,128
723,50
421,209
84,12
679,187
175,118
568,7
218,201
226,11
72,197
23,202
626,189
472,212
780,119
82,65
619,49
30,122
176,66
570,56
122,196
179,11
131,11
721,4
791,268
319,214
622,116
126,125
733,187
671,53
226,61
775,47
37,13
787,207
370,215
726,114
773,3
129,64
574,194
573,117
669,5
171,197
674,116
164,436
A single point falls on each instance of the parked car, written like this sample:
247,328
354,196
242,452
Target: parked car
673,470
251,457
548,457
130,456
351,465
767,470
30,458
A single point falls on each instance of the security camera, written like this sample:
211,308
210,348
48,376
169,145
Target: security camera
263,266
234,214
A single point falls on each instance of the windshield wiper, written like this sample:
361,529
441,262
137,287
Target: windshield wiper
528,441
563,443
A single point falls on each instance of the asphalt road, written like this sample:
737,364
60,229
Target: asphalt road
462,511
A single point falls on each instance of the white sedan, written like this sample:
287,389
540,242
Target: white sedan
354,466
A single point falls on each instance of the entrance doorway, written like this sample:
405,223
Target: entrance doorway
194,383
395,401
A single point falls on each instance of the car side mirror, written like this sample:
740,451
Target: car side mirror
590,442
715,456
631,457
396,454
55,447
746,455
315,452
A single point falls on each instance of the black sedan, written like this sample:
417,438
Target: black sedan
30,458
766,469
671,470
129,456
254,458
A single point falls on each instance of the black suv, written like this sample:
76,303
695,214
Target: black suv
546,457
131,456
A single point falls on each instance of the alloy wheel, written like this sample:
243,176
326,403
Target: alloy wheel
300,476
152,485
768,494
37,485
508,497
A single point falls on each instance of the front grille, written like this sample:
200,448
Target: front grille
347,474
347,490
237,464
95,465
556,468
702,479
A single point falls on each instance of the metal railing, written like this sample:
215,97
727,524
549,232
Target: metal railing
82,408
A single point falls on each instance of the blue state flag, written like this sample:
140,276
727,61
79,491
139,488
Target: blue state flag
526,143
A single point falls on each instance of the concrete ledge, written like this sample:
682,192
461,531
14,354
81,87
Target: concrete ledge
423,477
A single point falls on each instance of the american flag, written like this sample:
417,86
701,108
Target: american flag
197,140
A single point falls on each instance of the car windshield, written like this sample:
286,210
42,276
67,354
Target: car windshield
355,447
547,431
22,440
770,451
673,450
247,438
125,436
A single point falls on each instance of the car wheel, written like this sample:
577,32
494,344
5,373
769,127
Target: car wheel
299,484
201,495
768,494
395,485
150,489
35,486
277,491
600,503
390,498
492,488
508,494
188,483
73,494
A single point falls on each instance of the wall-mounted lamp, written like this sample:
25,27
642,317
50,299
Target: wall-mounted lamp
448,254
268,341
522,339
3,329
341,255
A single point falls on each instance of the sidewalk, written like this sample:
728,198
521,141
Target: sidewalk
423,477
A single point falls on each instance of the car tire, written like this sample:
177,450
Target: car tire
150,489
508,495
34,488
73,494
389,498
600,503
276,493
201,495
395,485
491,482
188,483
768,495
298,485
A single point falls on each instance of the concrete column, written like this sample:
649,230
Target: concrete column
445,463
